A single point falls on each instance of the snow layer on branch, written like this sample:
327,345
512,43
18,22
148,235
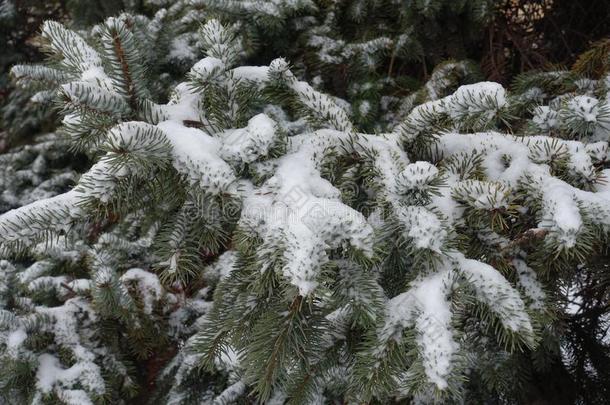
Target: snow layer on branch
495,146
482,97
321,103
420,118
209,68
220,42
148,286
483,194
560,213
423,227
206,69
248,144
299,211
441,77
100,181
270,8
561,202
77,55
389,161
416,176
480,101
52,214
530,284
70,46
34,271
231,394
337,51
65,328
253,74
139,138
50,374
196,154
44,283
38,72
499,295
93,96
222,267
426,307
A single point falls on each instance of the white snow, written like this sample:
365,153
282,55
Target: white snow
584,107
254,74
416,176
25,223
207,68
545,118
530,284
196,154
248,144
148,285
425,306
423,227
482,97
321,103
51,374
495,291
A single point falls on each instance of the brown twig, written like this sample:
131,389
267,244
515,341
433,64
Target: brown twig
527,237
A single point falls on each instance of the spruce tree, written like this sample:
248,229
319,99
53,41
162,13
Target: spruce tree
247,233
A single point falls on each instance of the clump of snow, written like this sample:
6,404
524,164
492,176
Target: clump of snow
301,212
249,144
530,284
479,98
148,286
196,154
14,340
207,68
499,295
182,48
585,107
222,267
50,374
24,224
258,75
416,176
545,118
364,108
423,227
426,307
182,106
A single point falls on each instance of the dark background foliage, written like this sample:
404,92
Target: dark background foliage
521,35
